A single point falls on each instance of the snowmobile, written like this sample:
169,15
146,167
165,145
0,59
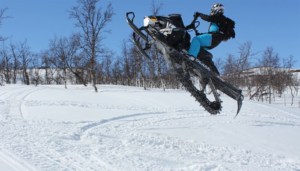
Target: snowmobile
172,39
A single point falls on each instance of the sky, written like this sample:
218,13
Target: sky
266,23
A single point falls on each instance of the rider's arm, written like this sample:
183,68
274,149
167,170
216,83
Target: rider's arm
209,18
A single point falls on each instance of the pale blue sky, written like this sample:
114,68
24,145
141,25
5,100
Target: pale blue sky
265,23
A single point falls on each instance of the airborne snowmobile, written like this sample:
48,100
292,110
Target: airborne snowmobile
170,36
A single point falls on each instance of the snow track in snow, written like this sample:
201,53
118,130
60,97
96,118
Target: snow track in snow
157,150
140,137
18,133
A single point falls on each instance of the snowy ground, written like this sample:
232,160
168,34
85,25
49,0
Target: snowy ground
127,128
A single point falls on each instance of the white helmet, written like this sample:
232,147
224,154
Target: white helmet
217,8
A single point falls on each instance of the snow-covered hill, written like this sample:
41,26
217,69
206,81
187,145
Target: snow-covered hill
127,128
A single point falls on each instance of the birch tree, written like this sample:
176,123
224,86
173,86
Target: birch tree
25,58
157,57
93,22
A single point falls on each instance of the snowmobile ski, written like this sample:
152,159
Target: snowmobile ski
134,28
137,45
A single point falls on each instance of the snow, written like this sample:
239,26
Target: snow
128,128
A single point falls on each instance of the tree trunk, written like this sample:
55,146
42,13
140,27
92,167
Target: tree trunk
292,96
159,70
15,64
7,70
144,84
25,76
270,94
93,61
65,78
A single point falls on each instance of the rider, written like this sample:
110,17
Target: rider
209,40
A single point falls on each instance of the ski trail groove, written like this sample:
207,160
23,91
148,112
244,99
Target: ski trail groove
20,106
93,125
25,150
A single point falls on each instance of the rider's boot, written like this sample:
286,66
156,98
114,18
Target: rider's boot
204,82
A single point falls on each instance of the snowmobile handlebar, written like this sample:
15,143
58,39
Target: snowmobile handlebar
193,26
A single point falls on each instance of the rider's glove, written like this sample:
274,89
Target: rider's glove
196,14
191,26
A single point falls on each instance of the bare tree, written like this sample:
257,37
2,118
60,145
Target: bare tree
25,57
76,61
128,63
269,58
230,64
7,64
290,81
2,17
2,66
116,72
106,64
16,63
219,63
269,63
35,75
140,63
59,56
93,22
157,57
156,8
234,66
45,55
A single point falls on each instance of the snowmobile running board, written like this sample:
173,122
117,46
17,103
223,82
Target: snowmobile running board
171,53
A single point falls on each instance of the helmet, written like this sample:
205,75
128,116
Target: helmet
217,8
